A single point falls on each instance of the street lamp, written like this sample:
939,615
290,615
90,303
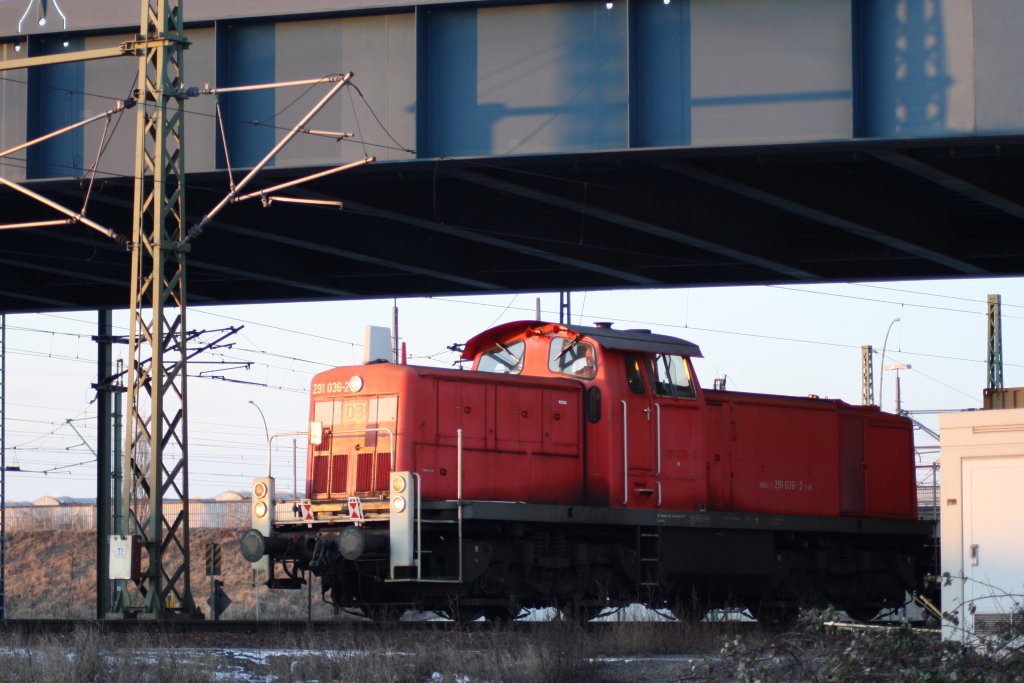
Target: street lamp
881,375
40,7
897,367
266,432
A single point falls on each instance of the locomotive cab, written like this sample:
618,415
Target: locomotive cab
642,405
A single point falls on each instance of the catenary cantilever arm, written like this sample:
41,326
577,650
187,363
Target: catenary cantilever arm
306,179
197,229
75,217
119,107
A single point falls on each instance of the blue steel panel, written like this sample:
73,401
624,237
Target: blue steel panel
454,121
525,79
903,76
661,43
245,56
55,100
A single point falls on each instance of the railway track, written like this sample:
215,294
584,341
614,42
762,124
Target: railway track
285,627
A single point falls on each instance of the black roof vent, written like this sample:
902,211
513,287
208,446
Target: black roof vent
603,325
640,331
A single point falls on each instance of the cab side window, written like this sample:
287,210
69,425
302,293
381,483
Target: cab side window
671,376
572,357
634,376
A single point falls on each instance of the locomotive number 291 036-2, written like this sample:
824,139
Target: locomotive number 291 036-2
320,388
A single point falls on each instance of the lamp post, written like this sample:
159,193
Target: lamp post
881,375
256,572
266,432
897,367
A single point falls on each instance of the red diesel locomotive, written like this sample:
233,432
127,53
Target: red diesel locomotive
584,467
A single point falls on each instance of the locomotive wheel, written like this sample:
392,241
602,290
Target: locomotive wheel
503,614
464,613
383,613
578,612
775,615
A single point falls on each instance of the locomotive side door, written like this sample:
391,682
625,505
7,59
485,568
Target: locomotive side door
639,487
677,433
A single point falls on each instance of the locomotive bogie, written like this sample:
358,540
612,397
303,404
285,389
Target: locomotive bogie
589,558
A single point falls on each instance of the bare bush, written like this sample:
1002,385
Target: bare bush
821,650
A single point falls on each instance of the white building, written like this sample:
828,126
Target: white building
982,501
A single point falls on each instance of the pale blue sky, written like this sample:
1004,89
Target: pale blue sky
794,340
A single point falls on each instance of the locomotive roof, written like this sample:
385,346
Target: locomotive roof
619,340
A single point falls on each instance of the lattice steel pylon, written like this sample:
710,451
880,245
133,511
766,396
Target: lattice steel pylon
867,376
156,457
994,361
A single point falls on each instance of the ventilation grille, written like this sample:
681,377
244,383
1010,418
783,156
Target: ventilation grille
988,624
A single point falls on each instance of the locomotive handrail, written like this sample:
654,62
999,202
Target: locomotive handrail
657,415
625,454
419,521
458,506
458,456
419,527
270,452
391,436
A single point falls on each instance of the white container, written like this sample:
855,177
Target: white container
982,520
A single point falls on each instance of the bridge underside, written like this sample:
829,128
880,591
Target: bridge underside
869,210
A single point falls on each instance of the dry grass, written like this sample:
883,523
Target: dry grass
565,652
448,656
86,655
52,574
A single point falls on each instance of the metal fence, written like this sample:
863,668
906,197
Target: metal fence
233,514
236,514
928,491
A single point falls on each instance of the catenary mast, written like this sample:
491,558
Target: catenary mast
156,456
